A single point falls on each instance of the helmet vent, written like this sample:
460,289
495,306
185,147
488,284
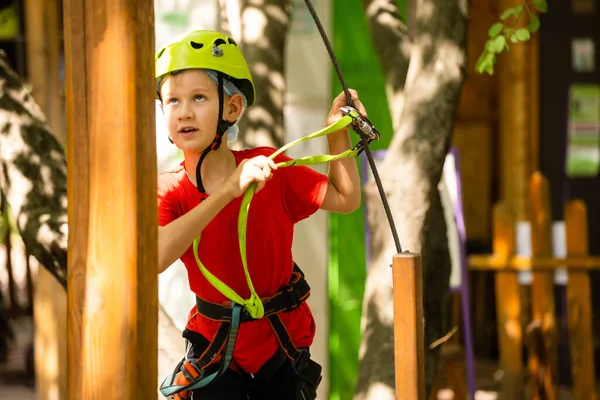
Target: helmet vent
231,41
160,53
196,45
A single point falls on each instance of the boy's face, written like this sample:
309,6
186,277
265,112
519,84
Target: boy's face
190,102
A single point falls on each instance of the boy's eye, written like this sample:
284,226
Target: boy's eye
198,97
171,100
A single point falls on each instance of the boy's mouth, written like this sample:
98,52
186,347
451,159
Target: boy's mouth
187,130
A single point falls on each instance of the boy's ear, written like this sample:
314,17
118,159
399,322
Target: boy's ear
236,106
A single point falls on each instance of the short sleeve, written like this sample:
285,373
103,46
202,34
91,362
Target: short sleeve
167,204
302,190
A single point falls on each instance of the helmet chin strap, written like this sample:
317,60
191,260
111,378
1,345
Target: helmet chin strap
222,127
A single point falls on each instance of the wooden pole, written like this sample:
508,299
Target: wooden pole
112,259
37,51
542,367
409,351
579,305
516,107
49,298
508,306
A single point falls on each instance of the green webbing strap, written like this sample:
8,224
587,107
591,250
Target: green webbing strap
169,389
254,305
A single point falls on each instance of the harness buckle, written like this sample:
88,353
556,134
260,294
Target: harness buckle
191,370
290,296
361,124
245,315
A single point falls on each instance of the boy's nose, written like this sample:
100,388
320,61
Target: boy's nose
185,112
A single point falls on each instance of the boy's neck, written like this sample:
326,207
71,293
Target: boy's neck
217,166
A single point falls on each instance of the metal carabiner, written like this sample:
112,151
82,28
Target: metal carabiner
360,123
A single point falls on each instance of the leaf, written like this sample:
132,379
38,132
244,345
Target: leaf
485,63
541,5
513,37
495,29
507,13
534,25
479,62
522,34
518,10
514,11
498,44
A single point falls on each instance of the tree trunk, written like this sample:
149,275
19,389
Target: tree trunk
261,28
410,174
33,175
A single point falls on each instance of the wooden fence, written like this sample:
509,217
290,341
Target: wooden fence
540,336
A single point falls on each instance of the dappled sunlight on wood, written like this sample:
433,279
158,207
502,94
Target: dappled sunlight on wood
50,312
512,328
501,246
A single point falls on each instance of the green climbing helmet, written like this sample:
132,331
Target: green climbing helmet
204,49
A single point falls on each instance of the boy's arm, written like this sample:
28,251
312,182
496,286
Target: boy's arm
177,236
343,188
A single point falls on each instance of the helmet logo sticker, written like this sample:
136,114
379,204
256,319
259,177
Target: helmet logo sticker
216,50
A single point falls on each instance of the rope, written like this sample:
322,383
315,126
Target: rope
363,137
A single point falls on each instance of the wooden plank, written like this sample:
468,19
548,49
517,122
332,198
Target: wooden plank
579,310
514,126
482,262
37,51
474,141
50,321
113,302
542,292
55,105
409,350
533,47
508,306
77,187
452,357
49,298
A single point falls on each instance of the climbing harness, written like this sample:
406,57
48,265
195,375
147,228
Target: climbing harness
191,374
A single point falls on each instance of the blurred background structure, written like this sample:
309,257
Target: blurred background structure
527,141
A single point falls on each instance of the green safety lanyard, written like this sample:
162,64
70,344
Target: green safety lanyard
254,305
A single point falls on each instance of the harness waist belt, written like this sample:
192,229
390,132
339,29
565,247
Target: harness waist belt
288,298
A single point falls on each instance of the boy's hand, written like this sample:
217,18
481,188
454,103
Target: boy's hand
335,114
258,169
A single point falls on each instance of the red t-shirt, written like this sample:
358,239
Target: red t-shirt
294,193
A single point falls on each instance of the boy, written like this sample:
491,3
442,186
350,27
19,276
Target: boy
203,84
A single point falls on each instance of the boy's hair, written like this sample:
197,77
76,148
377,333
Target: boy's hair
228,85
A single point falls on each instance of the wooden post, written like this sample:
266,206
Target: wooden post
37,51
112,259
542,292
508,306
409,351
517,108
49,298
579,309
55,106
